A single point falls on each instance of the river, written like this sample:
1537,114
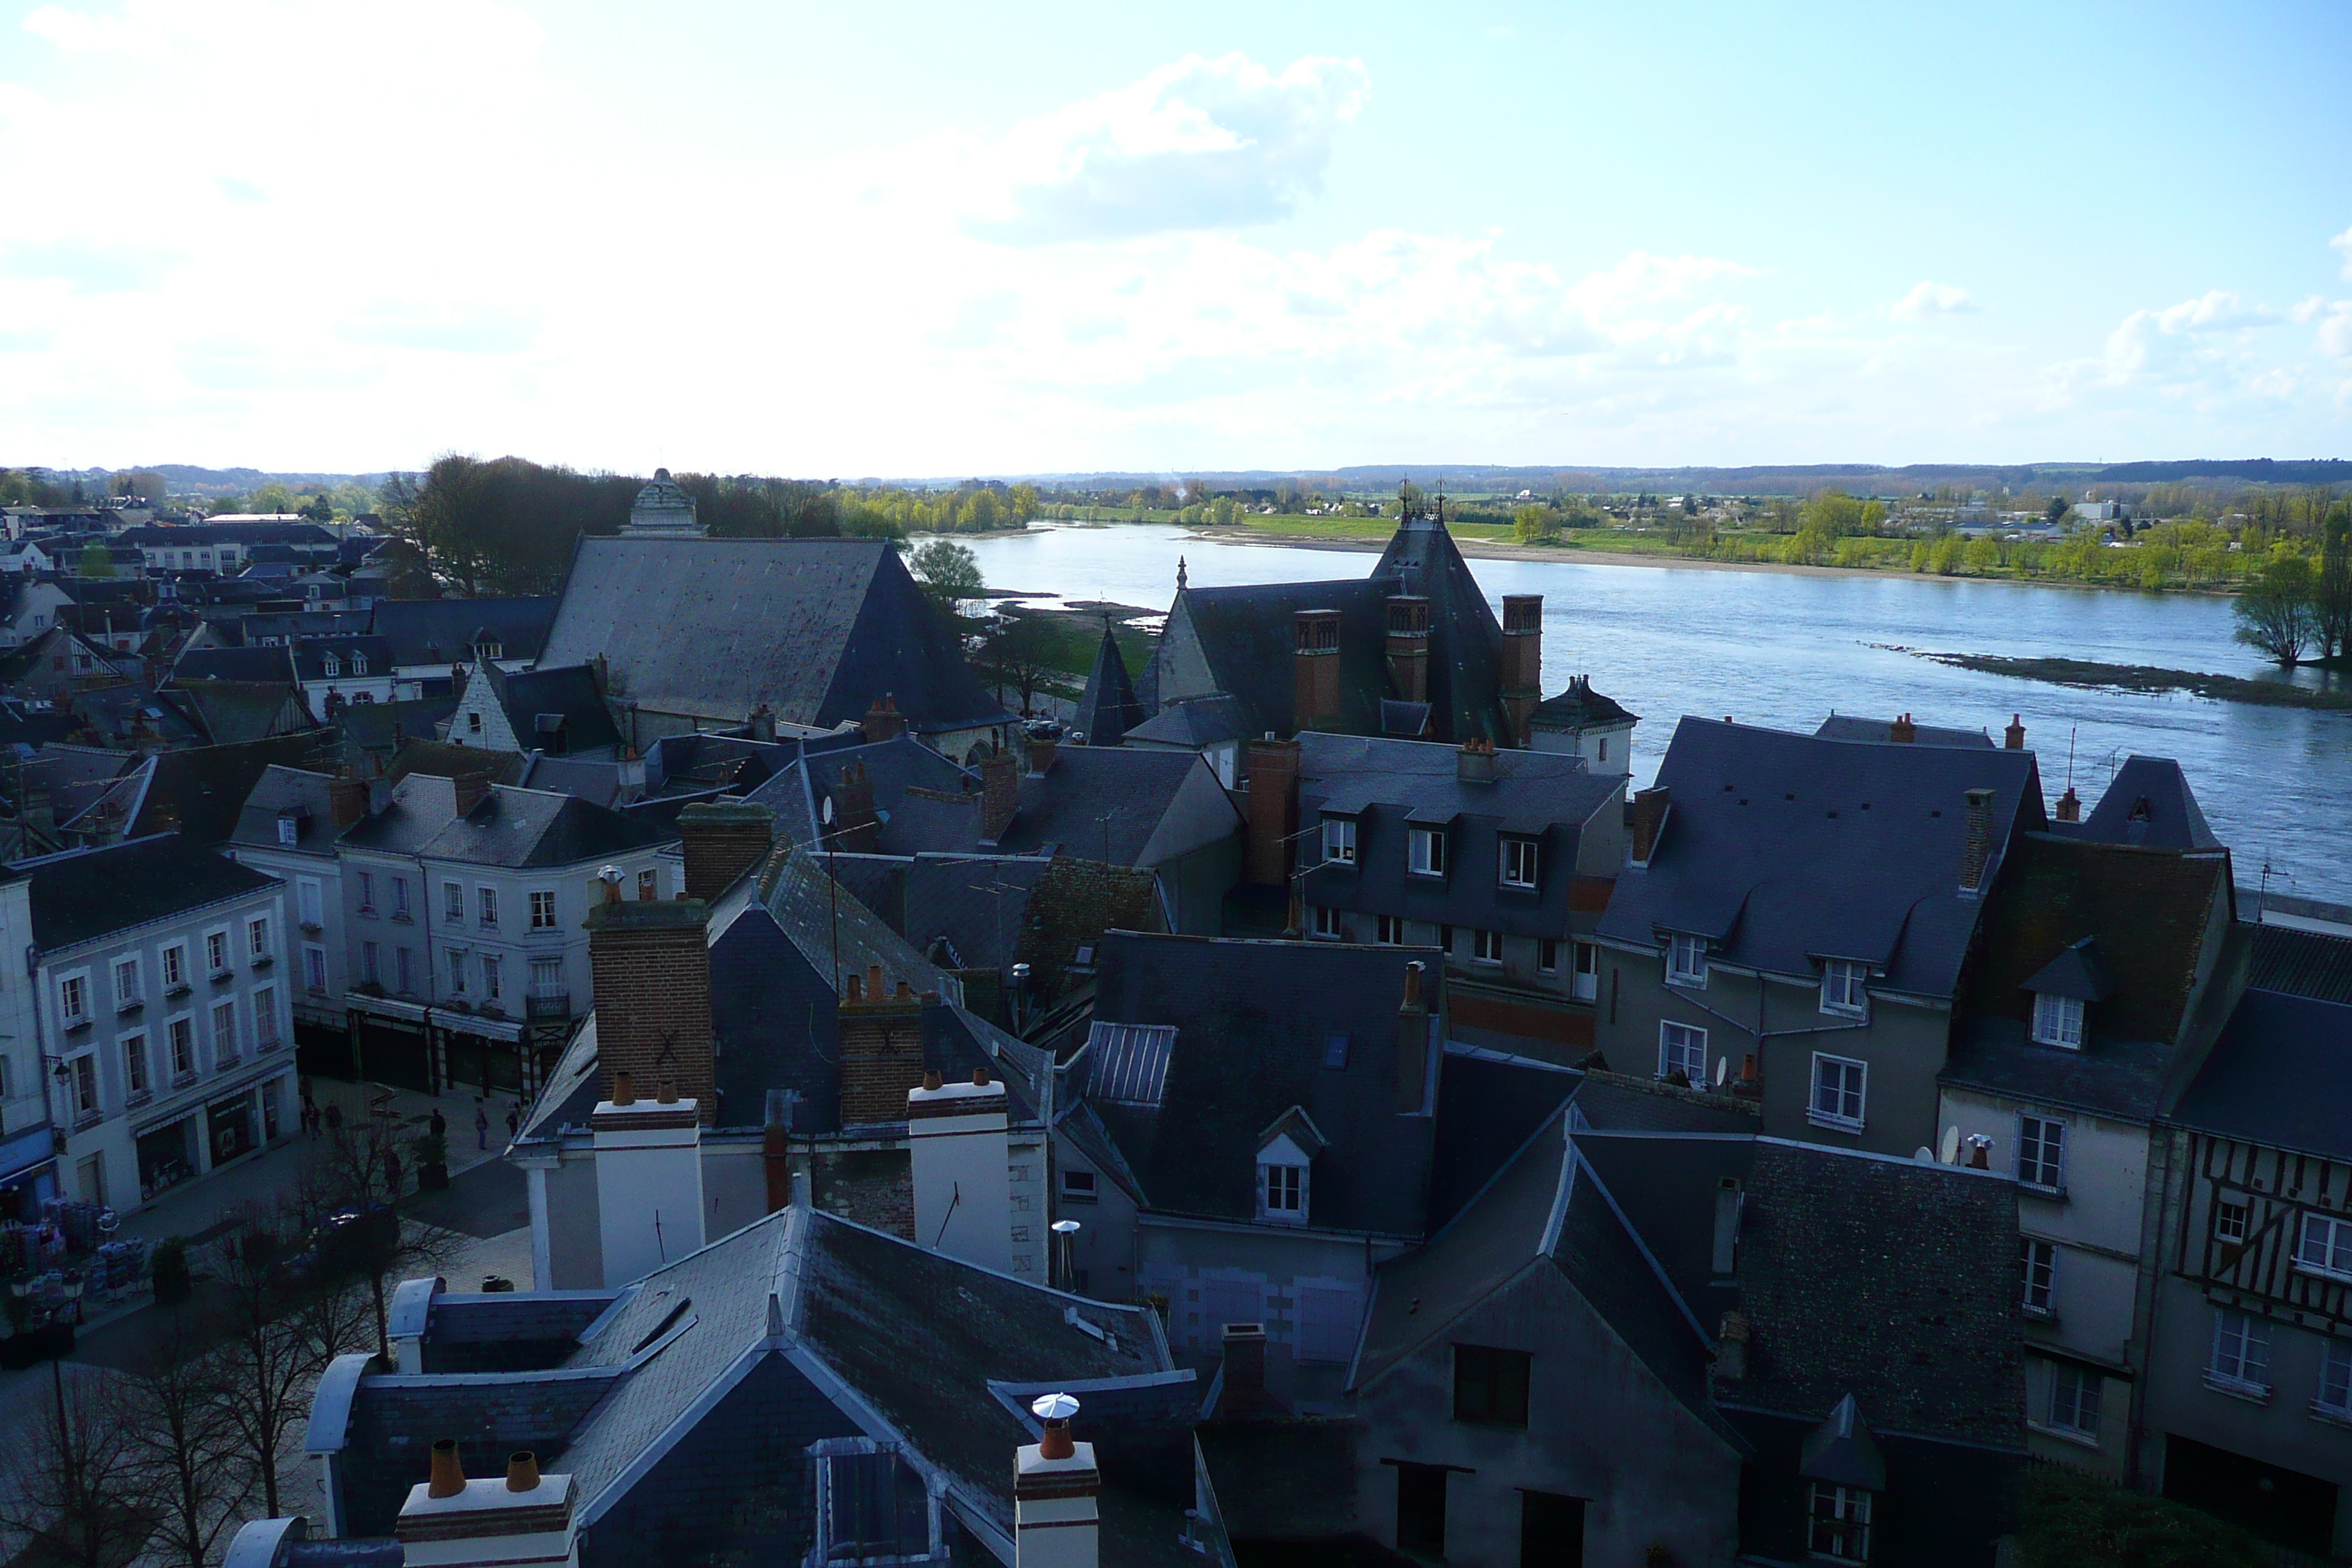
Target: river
1785,649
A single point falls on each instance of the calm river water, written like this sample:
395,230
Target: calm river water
1783,649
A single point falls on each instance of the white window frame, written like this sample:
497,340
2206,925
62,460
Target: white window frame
1426,848
2070,1407
1584,982
2057,1020
1847,1522
1682,1047
1845,988
258,942
1518,863
2331,1258
1851,1088
216,953
180,1040
2232,1218
73,998
1075,1190
2240,1362
367,892
174,968
1686,962
457,956
86,1089
2333,1399
137,1082
1282,1192
400,898
1486,947
452,903
1391,929
491,977
486,908
1323,921
290,832
542,908
264,1003
223,1037
1339,840
2040,1153
2038,1260
309,901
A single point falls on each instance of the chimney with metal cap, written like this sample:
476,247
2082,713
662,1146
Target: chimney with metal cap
1056,1515
883,722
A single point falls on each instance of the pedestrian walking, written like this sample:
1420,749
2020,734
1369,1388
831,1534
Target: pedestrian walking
481,1126
514,1122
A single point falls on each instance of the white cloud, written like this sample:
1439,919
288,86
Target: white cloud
1930,299
2342,242
2334,335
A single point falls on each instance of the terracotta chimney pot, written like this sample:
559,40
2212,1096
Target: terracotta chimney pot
449,1477
523,1471
624,1090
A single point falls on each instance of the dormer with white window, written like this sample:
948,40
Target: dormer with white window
1686,960
2064,991
330,666
1426,850
1339,839
1845,988
1286,1154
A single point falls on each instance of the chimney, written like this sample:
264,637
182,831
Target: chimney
2070,806
522,1518
1903,731
1041,755
649,966
1000,794
857,828
776,1149
1411,1044
957,1146
1273,810
1522,676
883,722
1241,1391
2014,736
1475,763
648,1176
472,790
881,1046
1649,822
1315,669
347,799
1054,1485
1731,1348
1728,1201
762,724
1408,647
723,839
1977,849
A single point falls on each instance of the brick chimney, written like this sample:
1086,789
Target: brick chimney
723,839
956,1145
762,724
1903,731
472,789
856,828
1475,763
883,722
881,1043
1056,1522
1408,647
649,963
1976,850
1648,821
519,1517
1273,810
2070,806
2014,736
1522,676
1315,669
1411,1044
347,799
1241,1387
1000,794
1041,754
649,1204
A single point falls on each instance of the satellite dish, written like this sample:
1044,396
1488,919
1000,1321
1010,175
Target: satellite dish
1923,1155
1054,1407
1951,1146
1722,1071
828,808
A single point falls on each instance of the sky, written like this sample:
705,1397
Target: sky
898,240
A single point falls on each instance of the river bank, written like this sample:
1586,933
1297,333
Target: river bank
2088,675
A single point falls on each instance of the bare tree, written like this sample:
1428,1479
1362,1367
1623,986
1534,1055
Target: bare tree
191,1473
71,1501
1021,650
358,1177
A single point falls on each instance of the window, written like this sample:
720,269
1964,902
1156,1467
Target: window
547,977
1547,956
1682,1053
404,967
400,898
474,721
1426,848
85,1085
485,904
367,892
543,910
359,664
2334,1397
2041,1152
1392,928
457,971
73,1000
2058,1020
256,938
2229,1216
1686,961
224,1032
1486,946
371,963
1078,1186
2242,1352
1339,839
2325,1246
1845,988
869,1505
314,969
452,903
1837,1091
1490,1385
2074,1405
175,966
1324,919
264,1016
216,952
1519,867
489,977
1335,1052
290,831
183,1036
1420,1510
648,884
310,903
1588,972
1840,1524
126,982
1285,1191
330,666
134,1065
2040,1262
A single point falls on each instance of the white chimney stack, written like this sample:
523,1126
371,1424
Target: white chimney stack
1054,1485
648,1181
957,1143
519,1520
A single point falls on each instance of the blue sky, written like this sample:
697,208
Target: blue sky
932,240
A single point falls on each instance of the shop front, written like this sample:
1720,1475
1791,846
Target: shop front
229,1125
29,1171
167,1156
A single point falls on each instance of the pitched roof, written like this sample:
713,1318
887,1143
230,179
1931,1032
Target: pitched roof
1781,850
280,793
1488,1104
1254,1021
816,628
1579,707
1854,727
1465,641
799,789
200,792
1246,634
517,828
2302,963
349,649
2149,804
555,707
1107,709
1193,723
444,631
84,894
1121,806
2280,1075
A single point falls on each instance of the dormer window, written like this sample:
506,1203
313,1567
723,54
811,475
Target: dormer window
2058,1020
1285,1187
290,831
359,664
1518,863
1845,988
330,666
1339,839
1686,961
1426,851
870,1503
1285,1151
485,651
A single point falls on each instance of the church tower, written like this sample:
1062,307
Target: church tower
663,511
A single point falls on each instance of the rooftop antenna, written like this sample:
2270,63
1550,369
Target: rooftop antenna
2070,754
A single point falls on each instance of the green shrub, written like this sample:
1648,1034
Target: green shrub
2077,1520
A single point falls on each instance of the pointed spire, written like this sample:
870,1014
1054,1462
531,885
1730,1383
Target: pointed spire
1180,574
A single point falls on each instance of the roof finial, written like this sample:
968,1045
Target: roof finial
1180,574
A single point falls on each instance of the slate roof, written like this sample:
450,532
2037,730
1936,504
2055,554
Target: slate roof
201,791
230,711
816,628
979,907
2280,1076
555,707
1579,708
799,788
1781,849
1194,722
1488,1106
1252,1021
1665,1183
281,791
256,665
1613,1102
517,828
1854,727
82,895
679,764
1248,636
443,631
1388,786
1123,807
2302,963
2147,804
1108,709
310,656
381,726
1889,1279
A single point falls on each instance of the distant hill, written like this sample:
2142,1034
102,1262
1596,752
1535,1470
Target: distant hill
2257,471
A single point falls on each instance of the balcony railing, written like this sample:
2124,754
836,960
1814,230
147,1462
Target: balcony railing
547,1004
